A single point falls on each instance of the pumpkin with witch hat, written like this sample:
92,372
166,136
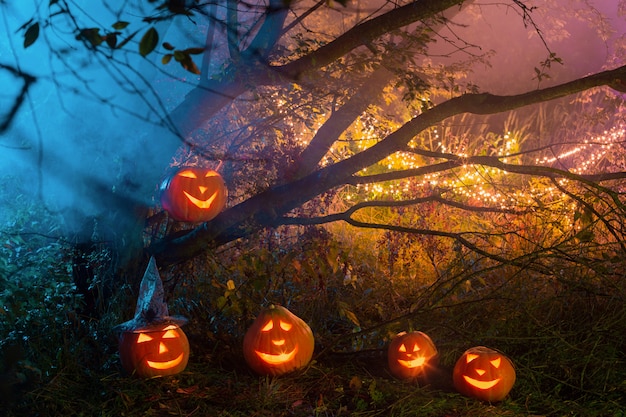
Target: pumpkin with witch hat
153,343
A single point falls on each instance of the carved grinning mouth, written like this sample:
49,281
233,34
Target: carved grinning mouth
166,364
414,363
481,384
278,359
203,204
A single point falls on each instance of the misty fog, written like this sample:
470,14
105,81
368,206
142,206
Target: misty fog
83,133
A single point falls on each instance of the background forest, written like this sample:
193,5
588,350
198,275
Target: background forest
372,189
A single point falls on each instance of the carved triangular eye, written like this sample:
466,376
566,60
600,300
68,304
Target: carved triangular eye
402,348
416,348
269,326
285,326
496,362
144,337
187,174
470,357
170,334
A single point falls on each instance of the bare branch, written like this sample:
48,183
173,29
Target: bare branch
347,218
28,80
266,207
364,33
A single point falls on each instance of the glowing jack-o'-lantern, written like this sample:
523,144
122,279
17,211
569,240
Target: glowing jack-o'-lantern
484,374
193,194
278,342
154,352
152,343
411,355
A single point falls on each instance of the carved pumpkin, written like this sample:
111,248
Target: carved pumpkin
278,342
193,194
152,343
484,374
154,352
411,355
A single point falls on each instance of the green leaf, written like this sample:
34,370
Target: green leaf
91,35
585,235
221,302
111,40
166,59
168,46
31,35
189,65
148,42
180,55
194,51
345,312
120,25
186,62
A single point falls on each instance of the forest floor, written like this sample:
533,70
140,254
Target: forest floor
565,334
217,382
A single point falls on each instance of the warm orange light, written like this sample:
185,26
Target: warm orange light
167,364
278,342
484,373
193,194
277,359
154,352
410,355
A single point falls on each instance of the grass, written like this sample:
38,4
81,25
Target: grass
564,333
205,389
565,367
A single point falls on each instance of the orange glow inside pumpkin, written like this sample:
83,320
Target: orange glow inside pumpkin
470,357
169,333
155,351
193,194
205,203
278,342
411,363
484,373
411,355
277,358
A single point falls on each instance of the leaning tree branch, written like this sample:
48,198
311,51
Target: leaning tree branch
347,214
269,32
458,236
265,207
206,100
341,119
364,33
299,19
482,104
455,161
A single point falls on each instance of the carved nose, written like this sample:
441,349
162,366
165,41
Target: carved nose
202,189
